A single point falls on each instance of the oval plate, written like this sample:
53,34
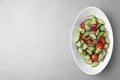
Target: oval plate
79,61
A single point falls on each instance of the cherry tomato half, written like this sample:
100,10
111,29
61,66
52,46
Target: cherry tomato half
83,37
88,42
102,40
94,57
94,25
82,25
93,29
99,45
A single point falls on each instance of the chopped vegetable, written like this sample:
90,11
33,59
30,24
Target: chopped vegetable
78,44
94,64
94,57
77,36
99,45
82,25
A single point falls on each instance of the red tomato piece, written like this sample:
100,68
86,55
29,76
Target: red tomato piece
88,42
102,40
99,45
83,37
94,57
82,25
94,25
93,29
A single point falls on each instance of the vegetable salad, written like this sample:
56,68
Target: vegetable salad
92,40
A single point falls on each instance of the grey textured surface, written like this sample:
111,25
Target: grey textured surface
34,39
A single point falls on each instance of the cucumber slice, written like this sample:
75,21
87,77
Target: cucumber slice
88,51
100,21
87,22
91,48
88,38
94,41
80,29
87,27
87,56
98,50
105,33
91,17
91,45
82,42
92,36
102,28
86,33
77,35
97,32
94,64
84,46
88,61
82,55
101,33
100,58
104,53
107,40
83,30
80,50
98,36
78,44
99,26
106,46
93,21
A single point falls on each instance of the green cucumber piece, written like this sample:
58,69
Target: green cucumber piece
97,32
82,42
93,21
94,41
80,29
100,58
91,48
87,27
102,28
98,26
78,44
82,55
84,46
104,53
92,36
77,35
80,50
91,45
100,21
101,33
87,22
91,17
88,51
105,33
88,61
106,46
87,56
98,50
94,64
86,33
88,38
107,40
83,30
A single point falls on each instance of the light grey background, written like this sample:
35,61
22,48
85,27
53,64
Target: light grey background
34,39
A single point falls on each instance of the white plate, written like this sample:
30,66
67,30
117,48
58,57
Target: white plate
79,61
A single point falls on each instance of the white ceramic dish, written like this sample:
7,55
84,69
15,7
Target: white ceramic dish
79,61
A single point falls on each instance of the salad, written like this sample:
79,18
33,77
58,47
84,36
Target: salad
92,40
